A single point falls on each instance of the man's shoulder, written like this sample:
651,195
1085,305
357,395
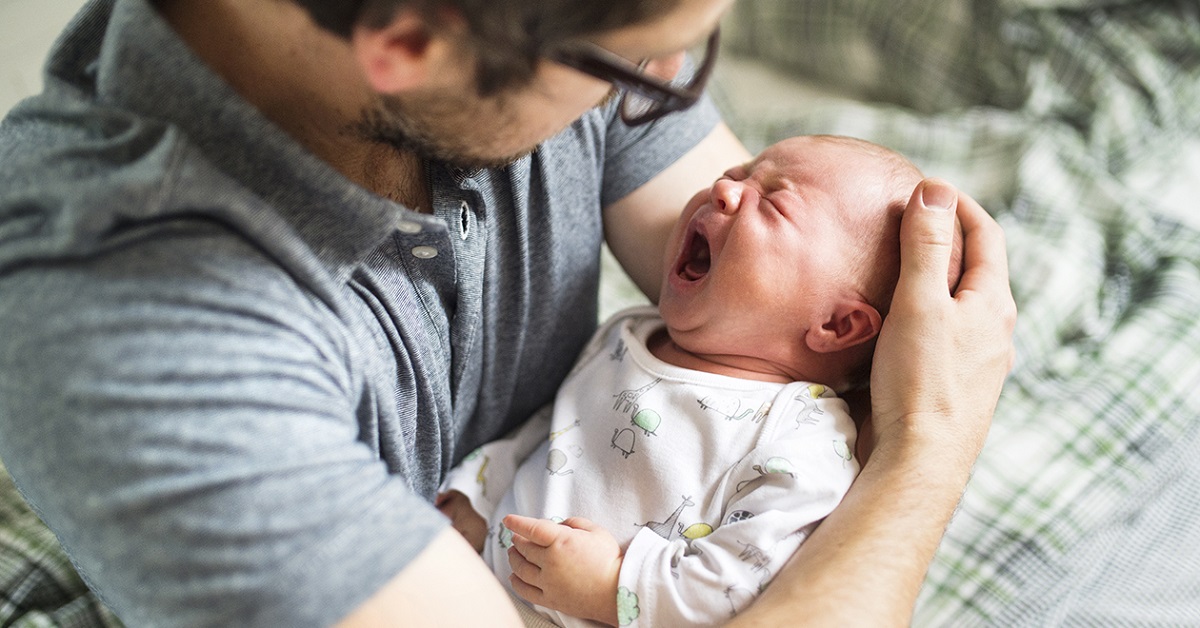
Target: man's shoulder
80,181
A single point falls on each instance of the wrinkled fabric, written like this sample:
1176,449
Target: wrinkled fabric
1077,127
230,379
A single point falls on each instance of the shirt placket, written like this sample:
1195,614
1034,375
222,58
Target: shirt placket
457,200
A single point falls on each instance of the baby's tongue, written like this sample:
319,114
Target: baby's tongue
700,261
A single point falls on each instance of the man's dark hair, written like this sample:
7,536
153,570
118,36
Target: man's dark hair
508,36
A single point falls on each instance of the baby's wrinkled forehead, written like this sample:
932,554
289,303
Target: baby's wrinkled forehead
832,155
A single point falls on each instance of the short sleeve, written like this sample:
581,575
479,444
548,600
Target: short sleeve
634,155
193,443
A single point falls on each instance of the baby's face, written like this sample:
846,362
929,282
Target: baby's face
753,259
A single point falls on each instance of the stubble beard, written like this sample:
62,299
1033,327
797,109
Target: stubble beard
390,122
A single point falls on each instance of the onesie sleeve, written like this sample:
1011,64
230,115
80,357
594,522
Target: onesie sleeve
487,473
774,498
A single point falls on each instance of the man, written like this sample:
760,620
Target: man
273,268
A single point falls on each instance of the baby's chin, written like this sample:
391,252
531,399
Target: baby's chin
672,311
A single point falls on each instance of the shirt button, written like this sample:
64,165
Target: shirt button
408,226
424,252
464,220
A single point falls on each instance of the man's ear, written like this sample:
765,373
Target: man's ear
850,323
406,53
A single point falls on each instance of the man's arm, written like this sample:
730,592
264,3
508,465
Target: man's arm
936,378
637,226
446,585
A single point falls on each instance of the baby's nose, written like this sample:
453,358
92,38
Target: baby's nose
727,195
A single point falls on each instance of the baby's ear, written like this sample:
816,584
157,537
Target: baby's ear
851,323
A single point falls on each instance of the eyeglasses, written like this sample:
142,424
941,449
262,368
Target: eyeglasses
644,97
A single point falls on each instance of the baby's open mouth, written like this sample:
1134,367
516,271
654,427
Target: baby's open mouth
696,258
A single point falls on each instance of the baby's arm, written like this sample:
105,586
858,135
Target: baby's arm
772,500
570,567
474,486
463,518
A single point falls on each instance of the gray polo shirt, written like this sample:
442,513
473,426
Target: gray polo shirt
230,379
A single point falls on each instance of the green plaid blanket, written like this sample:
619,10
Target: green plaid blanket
1078,126
1077,123
38,586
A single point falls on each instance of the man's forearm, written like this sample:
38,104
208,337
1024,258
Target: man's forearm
939,365
446,585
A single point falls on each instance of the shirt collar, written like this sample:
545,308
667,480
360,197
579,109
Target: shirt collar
144,67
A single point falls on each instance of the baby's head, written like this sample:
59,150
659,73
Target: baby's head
787,264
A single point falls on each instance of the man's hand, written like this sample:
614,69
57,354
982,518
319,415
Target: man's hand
463,518
939,364
571,567
941,359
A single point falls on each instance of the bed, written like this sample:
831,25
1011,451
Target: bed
1077,124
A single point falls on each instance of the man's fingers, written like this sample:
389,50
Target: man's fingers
985,258
540,531
926,240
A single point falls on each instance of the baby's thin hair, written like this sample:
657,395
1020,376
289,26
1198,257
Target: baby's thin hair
878,259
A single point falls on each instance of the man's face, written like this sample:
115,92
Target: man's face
456,125
754,261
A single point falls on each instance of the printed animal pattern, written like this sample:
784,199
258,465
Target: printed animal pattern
739,598
626,400
618,352
627,606
624,441
555,434
556,461
843,451
759,562
481,474
642,415
811,413
664,528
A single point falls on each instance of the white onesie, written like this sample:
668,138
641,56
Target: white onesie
709,482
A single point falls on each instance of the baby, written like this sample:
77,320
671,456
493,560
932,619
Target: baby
704,440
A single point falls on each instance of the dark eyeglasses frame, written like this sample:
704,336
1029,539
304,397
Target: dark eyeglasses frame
631,77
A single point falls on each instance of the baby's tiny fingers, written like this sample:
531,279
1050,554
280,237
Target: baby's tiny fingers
523,568
525,590
540,531
529,550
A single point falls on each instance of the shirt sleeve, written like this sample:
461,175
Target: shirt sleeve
774,498
634,155
195,446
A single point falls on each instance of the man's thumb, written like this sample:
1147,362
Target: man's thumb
927,238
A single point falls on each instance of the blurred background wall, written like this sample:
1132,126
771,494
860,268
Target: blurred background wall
27,28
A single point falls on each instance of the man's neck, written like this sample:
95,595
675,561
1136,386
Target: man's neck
303,79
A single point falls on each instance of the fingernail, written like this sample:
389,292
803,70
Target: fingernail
940,196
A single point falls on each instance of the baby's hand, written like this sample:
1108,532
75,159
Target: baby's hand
571,567
463,517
